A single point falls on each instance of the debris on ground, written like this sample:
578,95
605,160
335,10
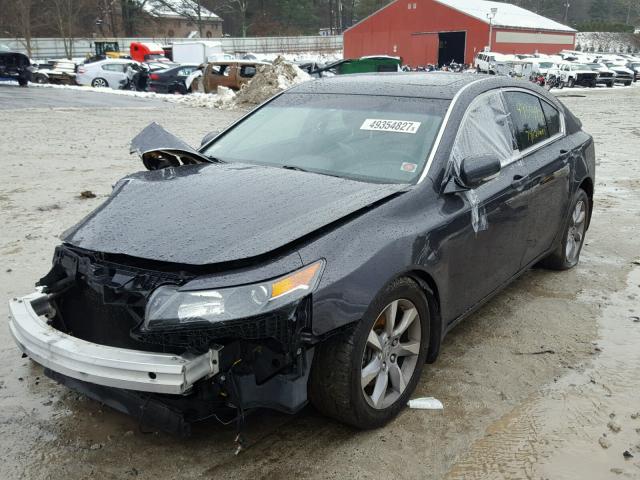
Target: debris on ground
614,426
635,415
617,471
270,80
604,442
47,208
627,454
87,194
426,403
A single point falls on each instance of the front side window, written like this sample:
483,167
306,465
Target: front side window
248,71
528,119
369,138
485,130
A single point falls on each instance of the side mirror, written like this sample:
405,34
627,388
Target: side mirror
210,136
479,169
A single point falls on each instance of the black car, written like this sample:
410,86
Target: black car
318,250
15,66
171,80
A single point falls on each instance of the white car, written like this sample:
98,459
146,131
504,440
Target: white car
110,73
487,62
574,74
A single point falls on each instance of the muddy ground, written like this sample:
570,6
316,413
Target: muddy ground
535,385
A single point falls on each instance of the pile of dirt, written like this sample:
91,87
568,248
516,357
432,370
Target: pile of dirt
270,80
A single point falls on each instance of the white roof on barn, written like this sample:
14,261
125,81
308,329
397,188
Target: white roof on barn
177,8
507,15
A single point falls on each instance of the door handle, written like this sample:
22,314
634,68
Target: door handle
517,181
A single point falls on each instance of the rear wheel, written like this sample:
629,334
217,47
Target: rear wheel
99,83
571,82
567,255
365,376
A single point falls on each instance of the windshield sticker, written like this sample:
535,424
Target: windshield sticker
397,126
408,167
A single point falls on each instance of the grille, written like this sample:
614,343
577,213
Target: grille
83,314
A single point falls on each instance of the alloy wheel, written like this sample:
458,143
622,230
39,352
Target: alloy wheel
391,353
99,83
577,227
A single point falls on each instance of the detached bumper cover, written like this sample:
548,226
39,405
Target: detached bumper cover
103,365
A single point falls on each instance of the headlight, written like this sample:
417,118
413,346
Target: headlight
169,308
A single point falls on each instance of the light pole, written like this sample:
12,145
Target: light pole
491,15
566,11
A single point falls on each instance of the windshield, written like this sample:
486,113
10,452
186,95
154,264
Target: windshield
580,66
545,65
370,138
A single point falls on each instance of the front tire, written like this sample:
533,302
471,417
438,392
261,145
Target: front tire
364,376
571,82
567,255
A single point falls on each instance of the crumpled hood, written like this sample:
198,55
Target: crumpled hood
212,213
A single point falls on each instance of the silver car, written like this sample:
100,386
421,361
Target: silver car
110,73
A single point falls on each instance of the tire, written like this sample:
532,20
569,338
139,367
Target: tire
610,84
41,80
23,82
566,257
341,362
571,82
627,84
99,83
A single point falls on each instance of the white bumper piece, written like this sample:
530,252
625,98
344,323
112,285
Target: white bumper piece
103,365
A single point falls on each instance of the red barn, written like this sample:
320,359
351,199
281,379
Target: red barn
439,31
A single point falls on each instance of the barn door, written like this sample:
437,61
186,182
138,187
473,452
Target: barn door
424,49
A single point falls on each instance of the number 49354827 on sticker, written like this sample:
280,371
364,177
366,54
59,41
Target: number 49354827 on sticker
397,126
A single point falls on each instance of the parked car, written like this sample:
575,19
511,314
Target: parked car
634,66
606,76
15,66
624,75
171,80
57,72
371,64
231,74
111,73
485,62
357,221
575,74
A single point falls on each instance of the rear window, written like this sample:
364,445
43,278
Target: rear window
528,119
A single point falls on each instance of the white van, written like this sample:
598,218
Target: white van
486,62
197,52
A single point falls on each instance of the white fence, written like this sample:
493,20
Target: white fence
81,47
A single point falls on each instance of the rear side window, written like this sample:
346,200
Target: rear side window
553,118
528,119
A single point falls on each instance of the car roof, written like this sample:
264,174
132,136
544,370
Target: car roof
439,85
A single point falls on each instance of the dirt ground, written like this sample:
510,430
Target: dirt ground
535,385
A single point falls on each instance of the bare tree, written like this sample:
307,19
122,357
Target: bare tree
66,15
238,7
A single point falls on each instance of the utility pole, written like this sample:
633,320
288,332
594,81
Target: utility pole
491,15
566,11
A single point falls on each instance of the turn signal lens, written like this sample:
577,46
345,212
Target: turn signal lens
301,280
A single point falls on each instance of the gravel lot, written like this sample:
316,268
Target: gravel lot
510,411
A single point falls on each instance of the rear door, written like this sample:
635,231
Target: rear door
544,162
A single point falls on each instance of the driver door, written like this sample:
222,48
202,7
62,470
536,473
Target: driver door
491,221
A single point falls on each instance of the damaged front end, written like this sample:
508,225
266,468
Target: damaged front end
133,335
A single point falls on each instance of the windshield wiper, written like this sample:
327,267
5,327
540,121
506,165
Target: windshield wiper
297,169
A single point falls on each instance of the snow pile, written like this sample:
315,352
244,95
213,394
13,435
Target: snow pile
270,80
607,42
225,99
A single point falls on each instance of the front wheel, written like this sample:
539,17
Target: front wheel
567,254
571,83
364,377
